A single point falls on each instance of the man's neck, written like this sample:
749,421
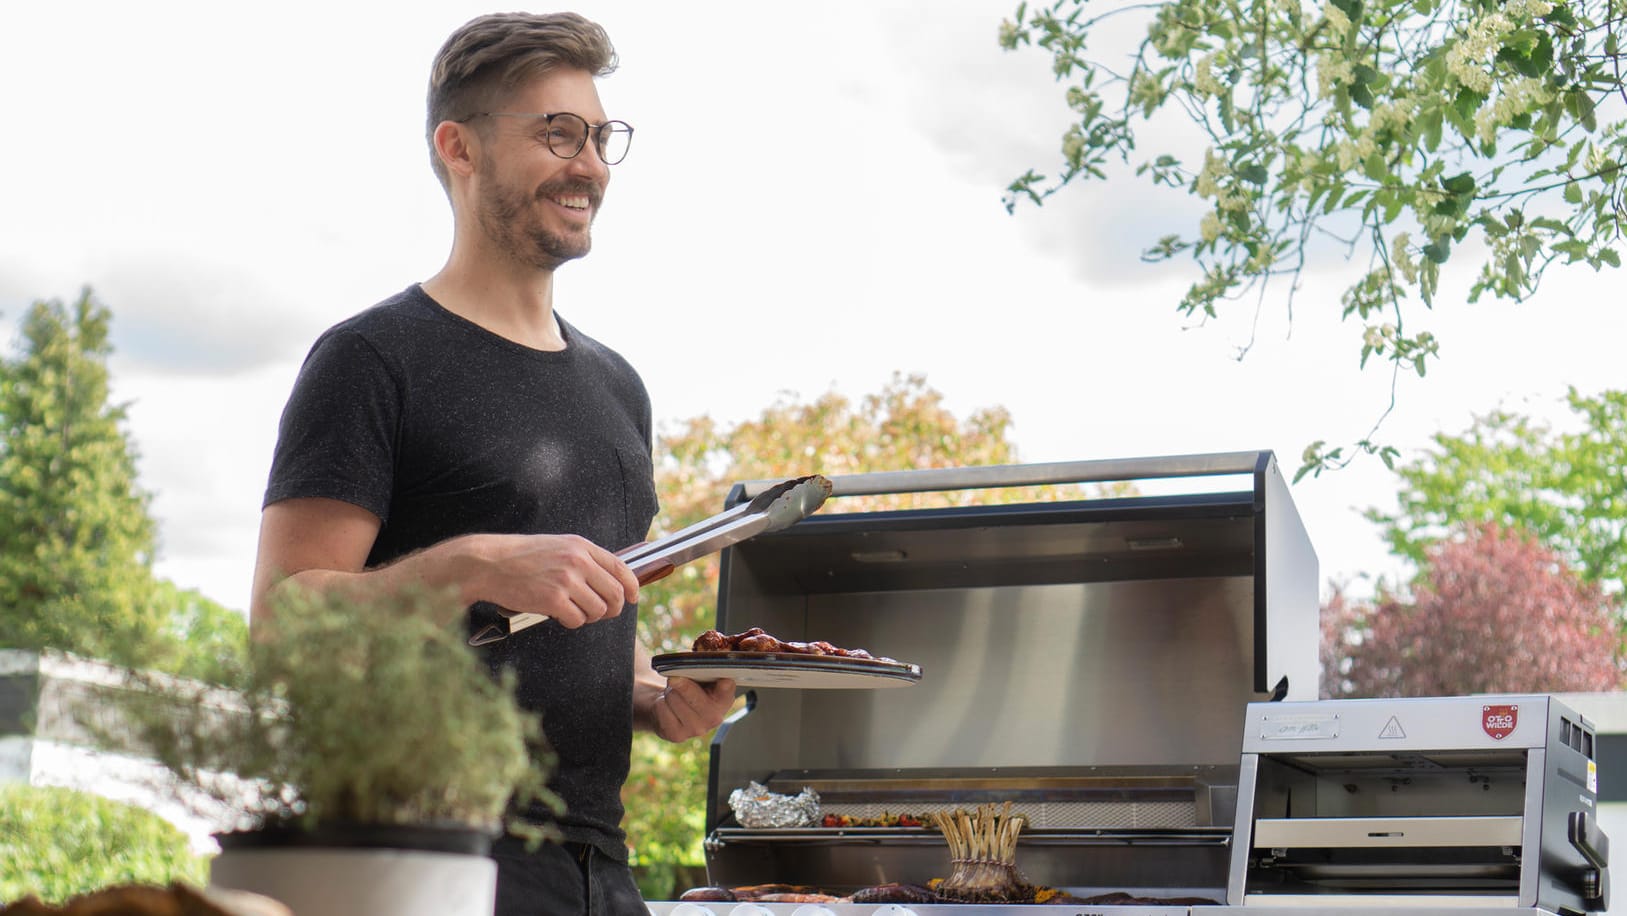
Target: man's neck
507,299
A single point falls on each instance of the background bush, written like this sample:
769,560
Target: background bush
56,843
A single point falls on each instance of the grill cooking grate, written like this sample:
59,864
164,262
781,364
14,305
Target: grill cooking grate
1144,815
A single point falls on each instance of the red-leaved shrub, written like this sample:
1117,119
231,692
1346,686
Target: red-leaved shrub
1492,611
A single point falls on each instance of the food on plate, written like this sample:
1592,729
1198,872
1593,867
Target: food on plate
756,640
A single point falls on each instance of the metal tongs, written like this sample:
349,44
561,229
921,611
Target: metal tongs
775,508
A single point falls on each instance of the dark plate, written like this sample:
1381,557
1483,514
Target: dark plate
782,669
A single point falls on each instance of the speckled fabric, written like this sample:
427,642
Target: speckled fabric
441,428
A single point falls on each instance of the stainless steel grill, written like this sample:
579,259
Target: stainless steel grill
1089,661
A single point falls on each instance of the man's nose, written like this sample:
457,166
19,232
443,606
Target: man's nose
589,164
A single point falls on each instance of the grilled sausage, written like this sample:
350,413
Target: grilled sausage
757,892
709,895
894,893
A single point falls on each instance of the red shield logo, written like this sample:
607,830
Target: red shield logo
1499,721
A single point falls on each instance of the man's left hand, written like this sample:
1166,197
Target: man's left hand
687,709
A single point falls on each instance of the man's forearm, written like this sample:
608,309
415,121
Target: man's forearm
445,566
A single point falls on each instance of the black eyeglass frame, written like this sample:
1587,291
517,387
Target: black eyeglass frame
600,132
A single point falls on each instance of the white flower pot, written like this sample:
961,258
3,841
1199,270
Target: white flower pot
348,881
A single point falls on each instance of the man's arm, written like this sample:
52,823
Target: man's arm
678,708
324,543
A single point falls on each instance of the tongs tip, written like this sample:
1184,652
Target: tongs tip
795,499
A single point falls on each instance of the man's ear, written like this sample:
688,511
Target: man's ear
457,145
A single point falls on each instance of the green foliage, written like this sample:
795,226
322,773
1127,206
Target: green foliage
904,426
203,639
76,534
1567,488
76,539
1398,129
355,711
56,843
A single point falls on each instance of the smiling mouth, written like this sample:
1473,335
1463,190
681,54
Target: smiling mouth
573,202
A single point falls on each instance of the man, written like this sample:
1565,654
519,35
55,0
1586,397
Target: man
461,434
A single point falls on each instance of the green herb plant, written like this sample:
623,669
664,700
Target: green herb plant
351,712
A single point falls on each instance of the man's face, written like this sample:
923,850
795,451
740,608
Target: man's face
535,206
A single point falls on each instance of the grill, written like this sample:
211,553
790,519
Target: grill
1091,662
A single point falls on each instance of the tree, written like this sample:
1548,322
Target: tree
1566,488
1392,129
904,426
76,537
203,639
1492,611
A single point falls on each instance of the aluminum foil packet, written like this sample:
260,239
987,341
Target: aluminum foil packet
754,806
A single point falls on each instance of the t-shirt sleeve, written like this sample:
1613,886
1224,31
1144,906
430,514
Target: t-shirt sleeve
338,434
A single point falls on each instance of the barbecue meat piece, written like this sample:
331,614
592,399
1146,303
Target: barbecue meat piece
894,893
755,640
712,641
771,893
760,643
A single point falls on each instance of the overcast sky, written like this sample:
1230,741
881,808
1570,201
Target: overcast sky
812,202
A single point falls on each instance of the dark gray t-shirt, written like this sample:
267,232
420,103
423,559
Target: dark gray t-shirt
441,428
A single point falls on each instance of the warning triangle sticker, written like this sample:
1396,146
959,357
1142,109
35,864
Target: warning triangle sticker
1393,729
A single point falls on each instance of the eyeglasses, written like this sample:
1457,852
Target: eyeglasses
567,133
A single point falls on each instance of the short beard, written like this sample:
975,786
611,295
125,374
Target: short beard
502,210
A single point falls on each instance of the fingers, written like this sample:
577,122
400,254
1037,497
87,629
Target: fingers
565,577
687,709
606,586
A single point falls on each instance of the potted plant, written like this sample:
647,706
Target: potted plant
370,758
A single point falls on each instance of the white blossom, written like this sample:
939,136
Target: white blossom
1203,79
1337,20
1514,98
1209,227
1209,177
1332,71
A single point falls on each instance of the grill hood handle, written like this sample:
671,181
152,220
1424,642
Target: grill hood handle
1586,837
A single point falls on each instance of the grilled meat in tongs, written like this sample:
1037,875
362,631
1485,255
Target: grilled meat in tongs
776,507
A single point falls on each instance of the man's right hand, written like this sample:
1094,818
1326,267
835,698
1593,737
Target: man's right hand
568,578
324,543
